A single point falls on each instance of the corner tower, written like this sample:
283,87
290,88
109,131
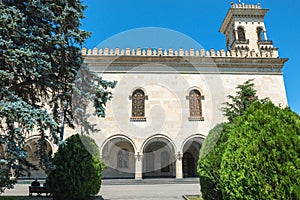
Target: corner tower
245,29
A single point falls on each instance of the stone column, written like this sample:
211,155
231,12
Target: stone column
179,166
138,166
236,35
265,34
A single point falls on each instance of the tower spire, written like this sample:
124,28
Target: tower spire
245,29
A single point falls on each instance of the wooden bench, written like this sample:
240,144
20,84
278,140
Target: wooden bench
39,190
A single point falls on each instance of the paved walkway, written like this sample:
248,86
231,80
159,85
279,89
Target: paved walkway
135,191
147,192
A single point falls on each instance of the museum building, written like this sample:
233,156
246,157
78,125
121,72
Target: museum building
166,100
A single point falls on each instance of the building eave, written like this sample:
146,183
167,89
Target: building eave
178,64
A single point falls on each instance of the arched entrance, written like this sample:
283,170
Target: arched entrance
190,157
118,155
188,165
159,159
31,146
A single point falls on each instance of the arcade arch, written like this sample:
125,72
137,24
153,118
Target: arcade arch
118,155
190,155
158,157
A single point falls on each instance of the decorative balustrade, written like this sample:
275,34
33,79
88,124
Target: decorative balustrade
265,42
269,53
243,5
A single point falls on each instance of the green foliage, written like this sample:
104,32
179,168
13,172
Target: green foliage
19,119
256,155
77,173
209,162
89,88
262,157
40,61
194,197
211,153
245,96
5,181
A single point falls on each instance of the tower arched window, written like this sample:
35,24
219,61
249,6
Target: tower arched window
260,34
123,158
195,105
241,34
138,105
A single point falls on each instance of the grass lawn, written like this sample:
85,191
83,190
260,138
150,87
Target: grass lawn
193,197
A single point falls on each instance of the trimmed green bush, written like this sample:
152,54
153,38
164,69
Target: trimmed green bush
78,168
209,162
262,157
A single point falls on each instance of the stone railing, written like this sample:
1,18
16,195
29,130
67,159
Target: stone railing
243,5
270,53
269,42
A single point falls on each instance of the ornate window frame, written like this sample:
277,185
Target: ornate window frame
138,110
195,111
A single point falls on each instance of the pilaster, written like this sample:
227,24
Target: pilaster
179,166
138,166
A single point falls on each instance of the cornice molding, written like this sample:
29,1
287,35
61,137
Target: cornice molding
186,65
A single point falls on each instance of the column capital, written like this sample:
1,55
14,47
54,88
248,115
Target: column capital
138,156
178,156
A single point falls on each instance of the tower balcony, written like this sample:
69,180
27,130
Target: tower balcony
265,42
240,44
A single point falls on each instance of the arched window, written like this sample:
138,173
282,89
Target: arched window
123,158
241,34
165,165
260,34
138,105
195,105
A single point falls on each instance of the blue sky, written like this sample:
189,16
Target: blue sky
197,20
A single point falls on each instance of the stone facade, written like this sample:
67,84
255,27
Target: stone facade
167,82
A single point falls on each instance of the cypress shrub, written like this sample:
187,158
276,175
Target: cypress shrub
216,142
77,173
262,157
209,163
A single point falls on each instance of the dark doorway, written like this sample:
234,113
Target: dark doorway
189,165
190,157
